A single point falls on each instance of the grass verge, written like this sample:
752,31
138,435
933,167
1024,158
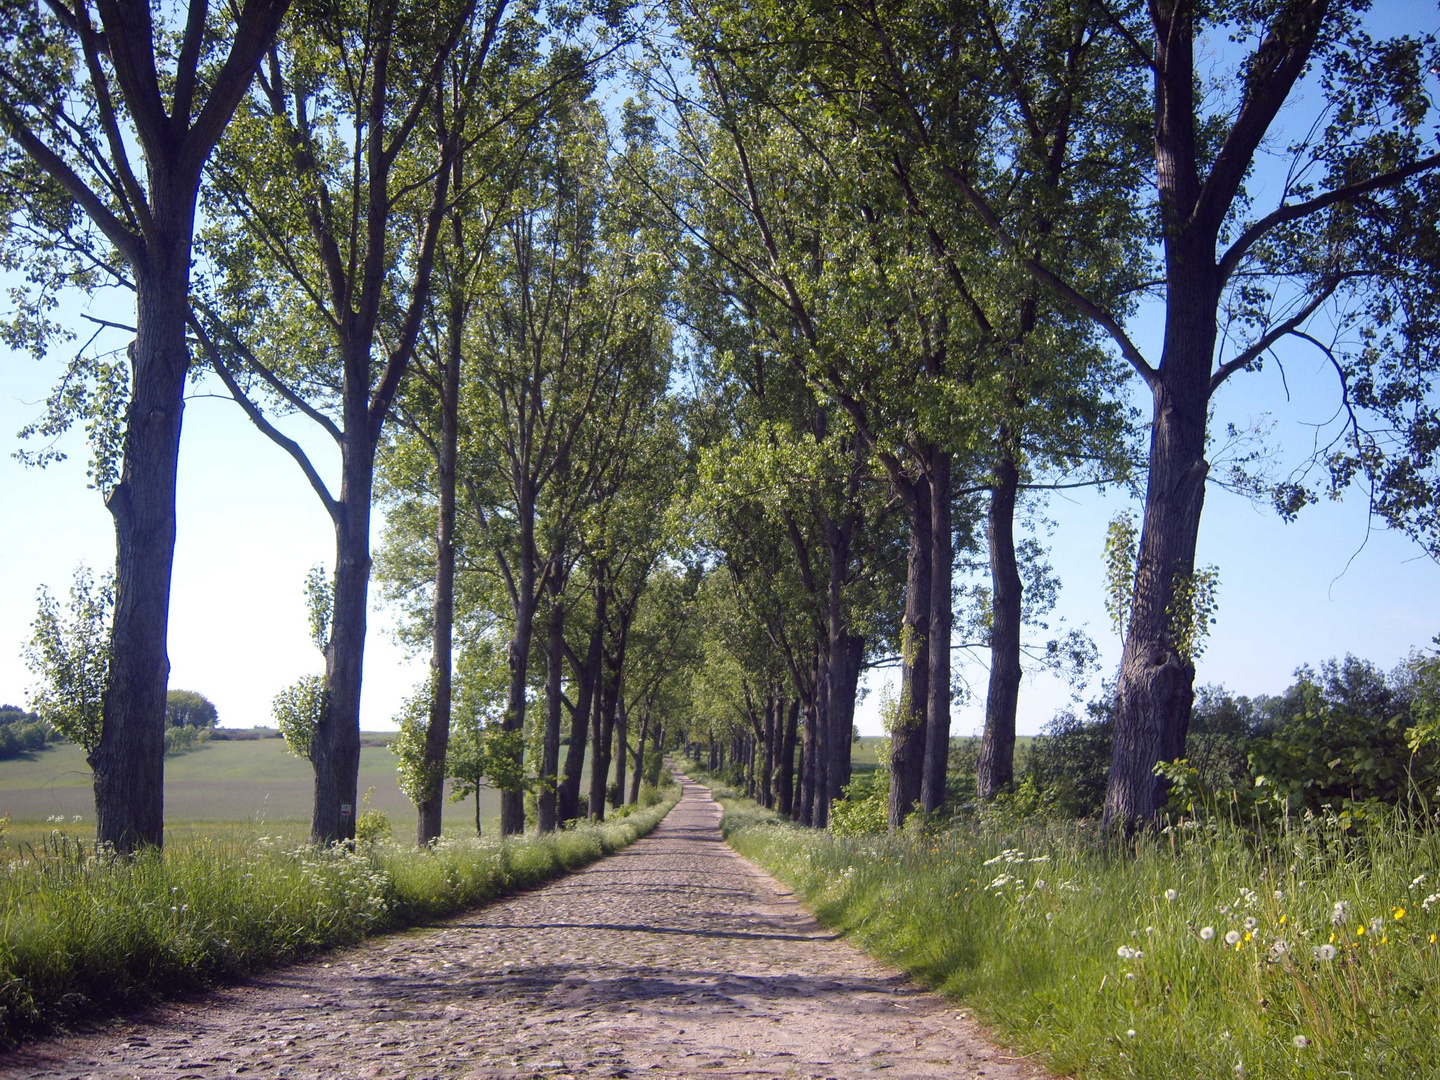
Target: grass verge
85,936
1209,953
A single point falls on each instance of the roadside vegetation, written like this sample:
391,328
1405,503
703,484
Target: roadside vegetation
87,935
1211,948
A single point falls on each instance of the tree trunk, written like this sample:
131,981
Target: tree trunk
601,729
846,655
512,803
550,756
787,758
996,770
587,678
129,762
807,767
437,732
767,775
1156,682
639,776
622,751
907,741
820,812
336,749
937,709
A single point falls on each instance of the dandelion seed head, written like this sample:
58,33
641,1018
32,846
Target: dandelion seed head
1251,922
1324,952
1300,1042
1340,913
1170,895
1207,933
1232,938
1131,1033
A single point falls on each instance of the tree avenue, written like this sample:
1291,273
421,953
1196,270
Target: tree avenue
704,365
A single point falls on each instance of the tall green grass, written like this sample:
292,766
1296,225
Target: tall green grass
1212,951
84,934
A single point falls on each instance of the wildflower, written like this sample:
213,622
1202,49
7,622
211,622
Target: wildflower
1340,914
1398,914
1430,901
1418,881
1359,931
1131,1033
1251,922
1129,976
1278,949
1300,1042
1323,952
1170,895
1376,924
1279,894
1284,919
1125,952
1432,939
1207,933
1232,938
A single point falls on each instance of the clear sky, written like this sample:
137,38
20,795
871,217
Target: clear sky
250,527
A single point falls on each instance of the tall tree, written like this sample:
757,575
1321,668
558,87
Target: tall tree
342,157
86,87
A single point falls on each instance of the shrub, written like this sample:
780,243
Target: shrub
865,807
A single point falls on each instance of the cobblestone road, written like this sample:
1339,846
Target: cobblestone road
673,958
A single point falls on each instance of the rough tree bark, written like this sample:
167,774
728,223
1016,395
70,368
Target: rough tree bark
546,801
996,770
907,742
937,698
787,759
587,677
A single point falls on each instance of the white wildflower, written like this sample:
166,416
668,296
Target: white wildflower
1377,924
1170,895
1207,933
1323,952
1232,938
1251,922
1125,952
1131,1033
1340,913
1300,1042
1430,901
1418,881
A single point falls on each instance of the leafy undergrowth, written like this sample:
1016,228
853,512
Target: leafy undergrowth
85,935
1208,953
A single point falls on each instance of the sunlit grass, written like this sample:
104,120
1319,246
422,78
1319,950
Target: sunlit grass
1209,952
85,935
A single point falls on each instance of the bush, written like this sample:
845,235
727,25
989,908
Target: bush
181,740
186,708
865,807
1342,738
1070,762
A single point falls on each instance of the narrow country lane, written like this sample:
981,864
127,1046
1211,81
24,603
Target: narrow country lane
673,958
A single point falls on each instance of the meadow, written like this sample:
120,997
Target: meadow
1212,950
253,786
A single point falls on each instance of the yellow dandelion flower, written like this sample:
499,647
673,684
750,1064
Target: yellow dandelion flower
1360,931
1249,936
1398,914
1333,939
1385,940
1284,919
1432,939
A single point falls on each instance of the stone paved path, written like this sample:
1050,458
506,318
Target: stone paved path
673,958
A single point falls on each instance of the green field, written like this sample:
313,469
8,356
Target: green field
257,783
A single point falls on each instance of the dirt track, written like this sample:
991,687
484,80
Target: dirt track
674,958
